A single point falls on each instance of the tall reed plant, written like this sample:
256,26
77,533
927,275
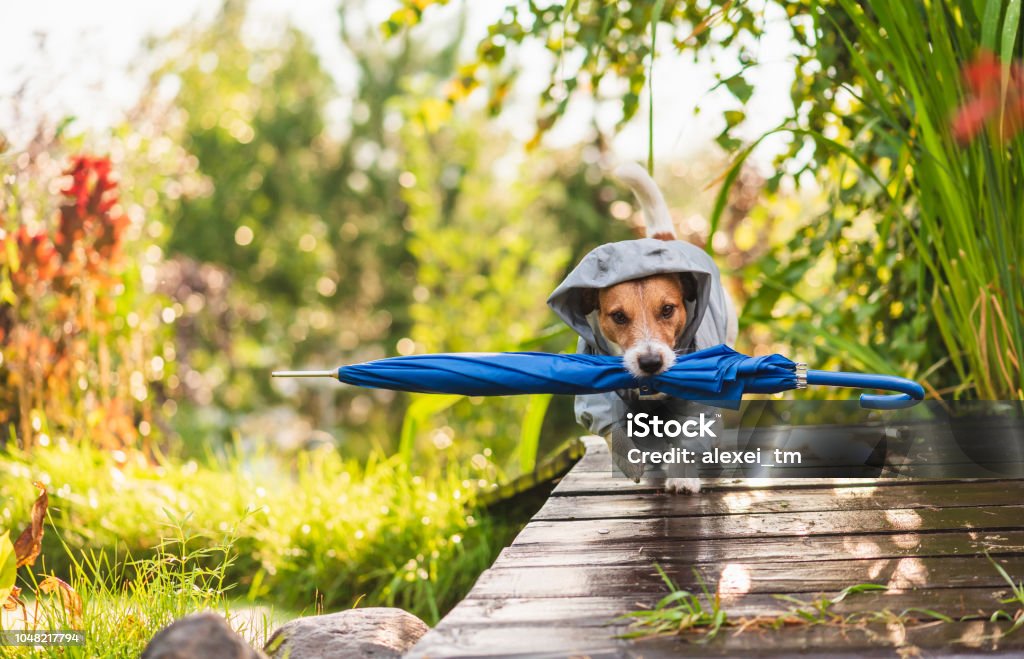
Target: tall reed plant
956,190
923,102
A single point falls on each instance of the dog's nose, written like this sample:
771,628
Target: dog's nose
650,363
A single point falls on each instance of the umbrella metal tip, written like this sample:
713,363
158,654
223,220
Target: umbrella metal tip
304,374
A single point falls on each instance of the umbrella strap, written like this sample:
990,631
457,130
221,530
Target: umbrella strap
801,375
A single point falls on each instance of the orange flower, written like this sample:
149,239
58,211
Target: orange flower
37,258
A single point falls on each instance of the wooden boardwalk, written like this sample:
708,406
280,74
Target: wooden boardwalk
588,556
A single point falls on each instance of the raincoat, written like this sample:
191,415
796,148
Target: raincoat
711,317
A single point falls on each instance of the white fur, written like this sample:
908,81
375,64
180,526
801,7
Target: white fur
643,349
682,485
656,215
647,346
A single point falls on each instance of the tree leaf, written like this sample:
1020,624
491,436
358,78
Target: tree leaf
990,24
739,87
30,542
734,117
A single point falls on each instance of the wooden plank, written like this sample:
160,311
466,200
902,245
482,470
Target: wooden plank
589,556
634,581
561,641
600,611
720,502
602,482
569,553
769,525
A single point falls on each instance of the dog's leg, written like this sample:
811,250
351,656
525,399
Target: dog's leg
619,443
682,485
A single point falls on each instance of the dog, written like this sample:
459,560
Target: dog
643,319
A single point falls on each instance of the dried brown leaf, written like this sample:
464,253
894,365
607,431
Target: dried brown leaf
13,602
30,542
70,599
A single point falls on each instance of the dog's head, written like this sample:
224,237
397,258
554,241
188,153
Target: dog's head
643,317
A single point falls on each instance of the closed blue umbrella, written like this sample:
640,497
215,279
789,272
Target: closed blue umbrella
718,373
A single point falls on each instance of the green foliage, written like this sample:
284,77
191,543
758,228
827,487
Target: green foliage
940,235
701,615
1016,598
254,122
319,530
8,566
485,245
596,46
912,208
303,222
333,257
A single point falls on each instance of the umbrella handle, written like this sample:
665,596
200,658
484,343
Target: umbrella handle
909,394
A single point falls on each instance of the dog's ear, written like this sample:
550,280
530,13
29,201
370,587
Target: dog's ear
588,300
689,283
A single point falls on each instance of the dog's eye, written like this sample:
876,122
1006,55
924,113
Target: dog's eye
668,310
620,318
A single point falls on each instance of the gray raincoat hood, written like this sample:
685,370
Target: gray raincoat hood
708,316
711,318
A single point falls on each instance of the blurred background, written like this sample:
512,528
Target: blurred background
304,189
195,193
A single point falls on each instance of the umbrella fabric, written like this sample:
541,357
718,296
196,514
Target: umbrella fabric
716,373
492,373
720,373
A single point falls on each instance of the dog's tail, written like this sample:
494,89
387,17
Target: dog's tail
656,215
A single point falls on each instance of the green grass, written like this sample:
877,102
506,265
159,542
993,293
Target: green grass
1016,598
700,616
145,544
679,612
126,601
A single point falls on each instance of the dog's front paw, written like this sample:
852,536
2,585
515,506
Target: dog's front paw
682,485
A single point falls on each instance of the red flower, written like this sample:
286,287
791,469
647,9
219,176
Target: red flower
91,222
986,100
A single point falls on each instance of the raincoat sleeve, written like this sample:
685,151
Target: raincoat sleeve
598,413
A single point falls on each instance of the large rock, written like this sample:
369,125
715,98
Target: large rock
199,636
369,632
